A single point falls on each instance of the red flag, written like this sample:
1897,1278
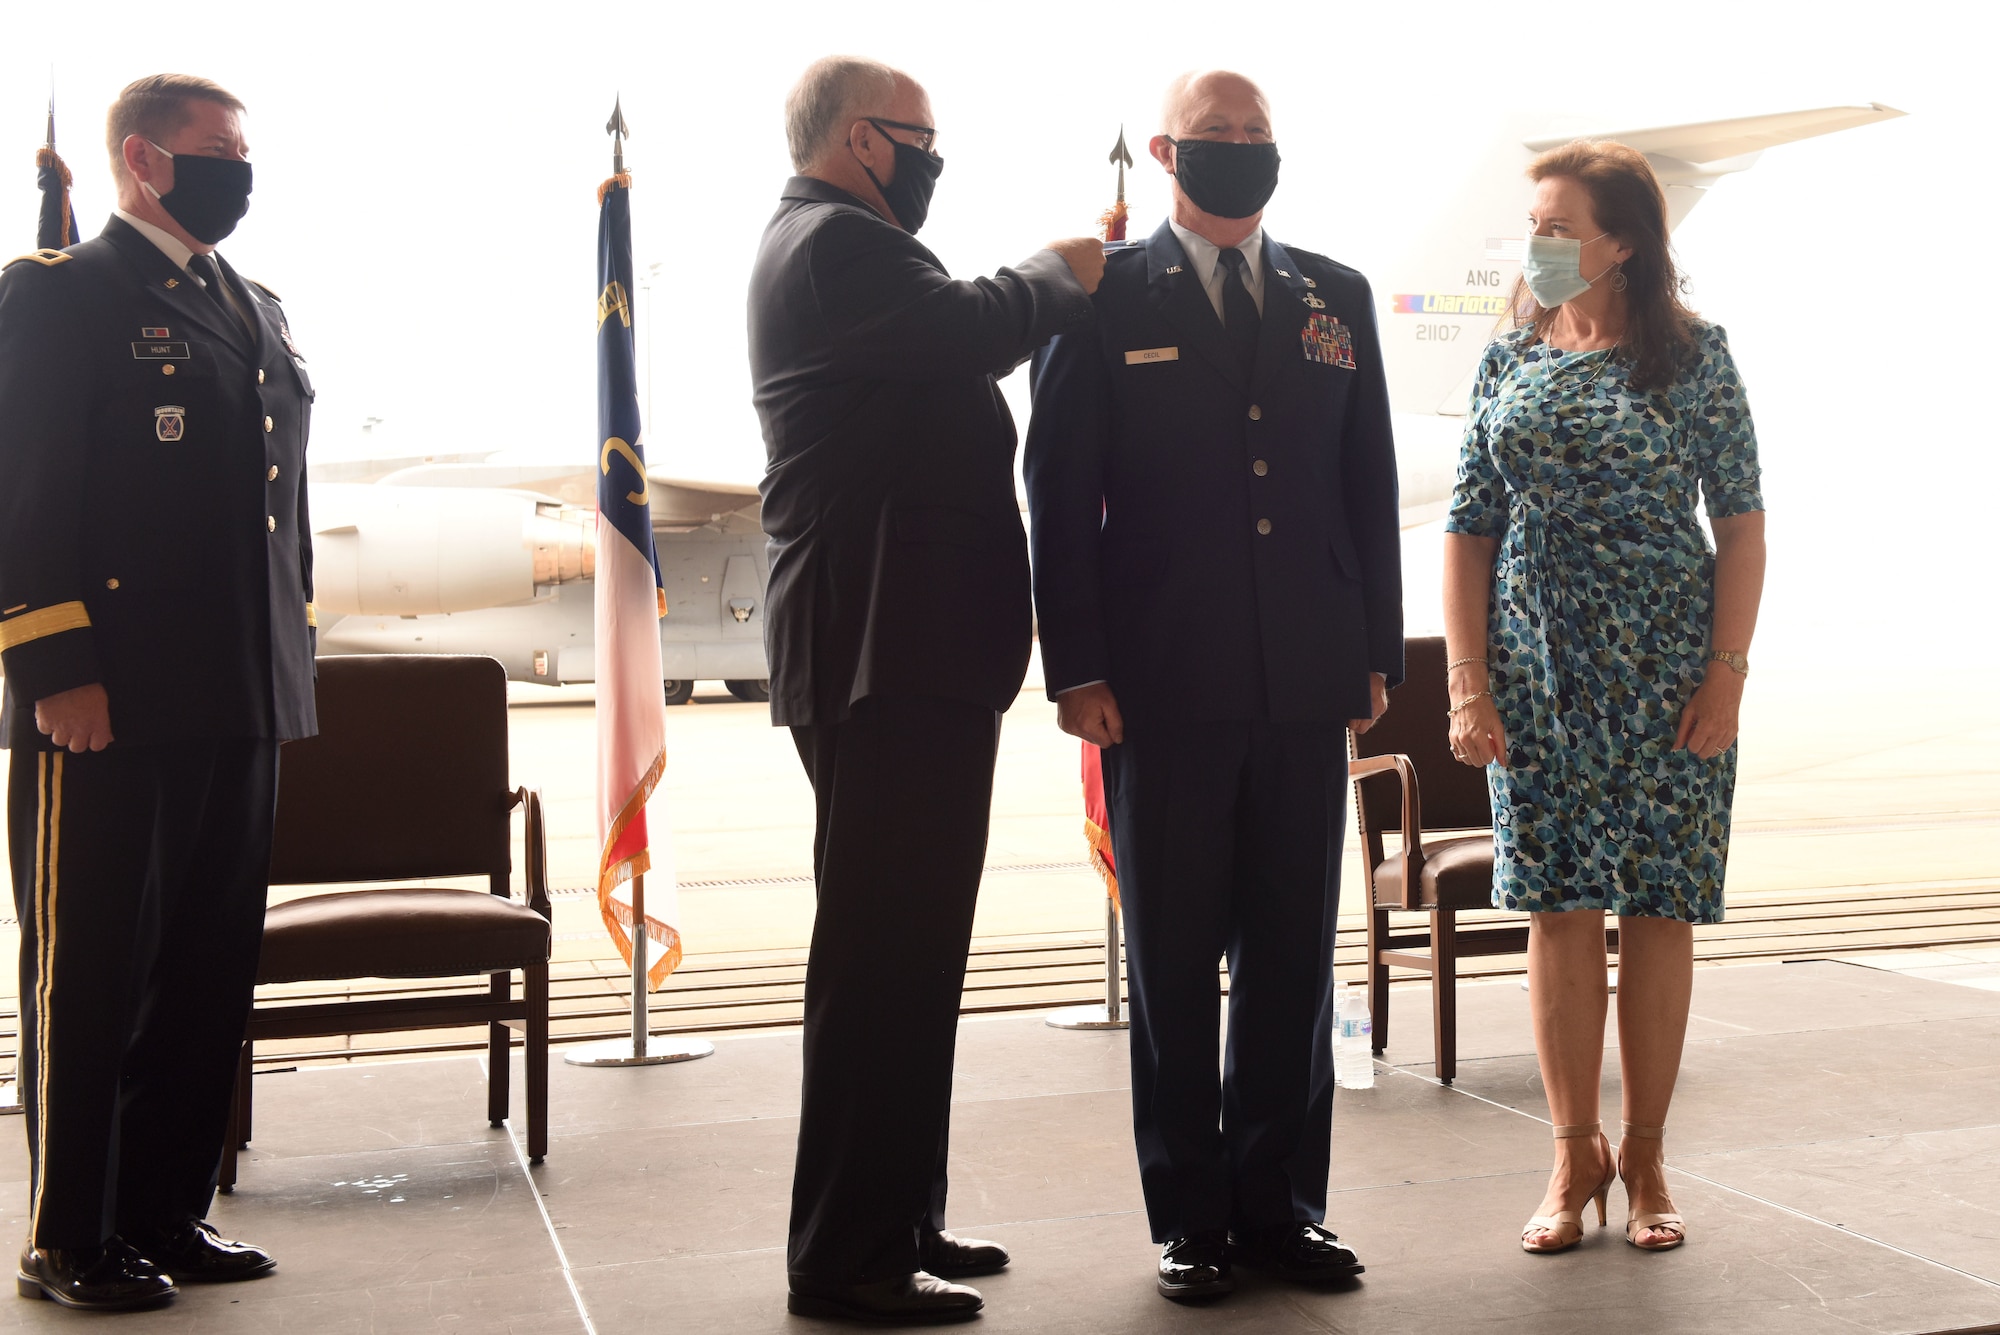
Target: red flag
1097,820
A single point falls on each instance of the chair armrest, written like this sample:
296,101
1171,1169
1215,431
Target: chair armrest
535,837
1362,767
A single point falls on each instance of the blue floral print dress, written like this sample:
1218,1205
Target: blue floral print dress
1603,591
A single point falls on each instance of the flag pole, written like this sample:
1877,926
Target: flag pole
641,939
1110,1015
638,1049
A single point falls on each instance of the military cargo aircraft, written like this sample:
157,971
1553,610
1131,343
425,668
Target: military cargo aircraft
466,554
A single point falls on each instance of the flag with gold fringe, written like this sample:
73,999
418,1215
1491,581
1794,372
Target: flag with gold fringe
56,228
630,600
1097,821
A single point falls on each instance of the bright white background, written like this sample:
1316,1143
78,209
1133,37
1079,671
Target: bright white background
426,177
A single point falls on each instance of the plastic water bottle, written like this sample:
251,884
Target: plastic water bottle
1353,1053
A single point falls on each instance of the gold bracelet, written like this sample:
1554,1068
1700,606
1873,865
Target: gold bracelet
1739,662
1461,662
1466,701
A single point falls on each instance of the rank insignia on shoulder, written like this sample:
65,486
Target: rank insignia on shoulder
1327,341
48,259
169,422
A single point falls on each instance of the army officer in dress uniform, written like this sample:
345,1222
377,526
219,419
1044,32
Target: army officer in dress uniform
1217,575
155,622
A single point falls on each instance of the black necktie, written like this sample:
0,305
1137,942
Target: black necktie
1239,311
205,268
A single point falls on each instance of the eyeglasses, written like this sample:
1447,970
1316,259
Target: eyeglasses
926,135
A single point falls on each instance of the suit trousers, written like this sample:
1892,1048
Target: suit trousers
1227,837
904,790
140,877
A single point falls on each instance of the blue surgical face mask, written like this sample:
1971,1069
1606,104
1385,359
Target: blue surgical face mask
1552,267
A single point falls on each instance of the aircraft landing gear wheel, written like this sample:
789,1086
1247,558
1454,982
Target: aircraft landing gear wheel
752,692
679,692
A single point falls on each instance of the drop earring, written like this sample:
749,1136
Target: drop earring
1618,282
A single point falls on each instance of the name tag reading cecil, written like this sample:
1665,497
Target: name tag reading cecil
1141,356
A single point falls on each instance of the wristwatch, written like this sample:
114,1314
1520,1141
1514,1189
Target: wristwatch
1740,662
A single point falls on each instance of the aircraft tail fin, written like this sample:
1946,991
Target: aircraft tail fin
1717,142
1449,292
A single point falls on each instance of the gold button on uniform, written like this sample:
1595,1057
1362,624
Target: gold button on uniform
271,524
1256,413
1259,467
1263,526
167,369
267,424
260,377
272,476
110,583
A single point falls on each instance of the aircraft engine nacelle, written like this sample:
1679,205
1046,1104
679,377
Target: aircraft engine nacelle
406,551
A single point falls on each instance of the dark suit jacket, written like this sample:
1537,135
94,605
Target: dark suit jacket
153,529
1215,549
898,561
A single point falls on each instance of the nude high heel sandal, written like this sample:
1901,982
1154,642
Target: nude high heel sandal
1672,1225
1562,1221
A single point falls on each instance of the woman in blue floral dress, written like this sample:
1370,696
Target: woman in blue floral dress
1598,651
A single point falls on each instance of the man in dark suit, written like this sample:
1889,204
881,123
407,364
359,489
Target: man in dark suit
1217,573
899,622
155,614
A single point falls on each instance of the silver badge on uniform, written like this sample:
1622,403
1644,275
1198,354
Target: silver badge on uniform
169,422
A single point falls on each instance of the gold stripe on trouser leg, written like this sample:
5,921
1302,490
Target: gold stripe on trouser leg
48,840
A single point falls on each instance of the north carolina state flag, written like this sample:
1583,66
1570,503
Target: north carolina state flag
630,600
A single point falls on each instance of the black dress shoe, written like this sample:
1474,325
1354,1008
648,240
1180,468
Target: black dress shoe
1303,1252
111,1278
948,1257
1195,1267
194,1253
919,1299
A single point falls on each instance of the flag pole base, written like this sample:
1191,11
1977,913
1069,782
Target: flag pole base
660,1050
1086,1017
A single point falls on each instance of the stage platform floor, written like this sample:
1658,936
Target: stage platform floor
1835,1146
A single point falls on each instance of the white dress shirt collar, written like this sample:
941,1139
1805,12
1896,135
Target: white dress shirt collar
169,245
1205,262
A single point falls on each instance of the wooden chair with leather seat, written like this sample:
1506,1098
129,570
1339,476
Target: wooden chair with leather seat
1407,781
407,780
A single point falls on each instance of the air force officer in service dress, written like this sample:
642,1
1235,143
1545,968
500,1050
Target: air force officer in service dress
1213,492
155,578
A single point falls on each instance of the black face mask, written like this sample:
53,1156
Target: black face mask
1227,180
210,195
908,193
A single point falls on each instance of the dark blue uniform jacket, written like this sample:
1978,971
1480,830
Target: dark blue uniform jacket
153,529
1216,548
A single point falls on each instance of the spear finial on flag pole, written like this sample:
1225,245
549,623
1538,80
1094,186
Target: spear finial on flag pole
617,129
56,227
1114,217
